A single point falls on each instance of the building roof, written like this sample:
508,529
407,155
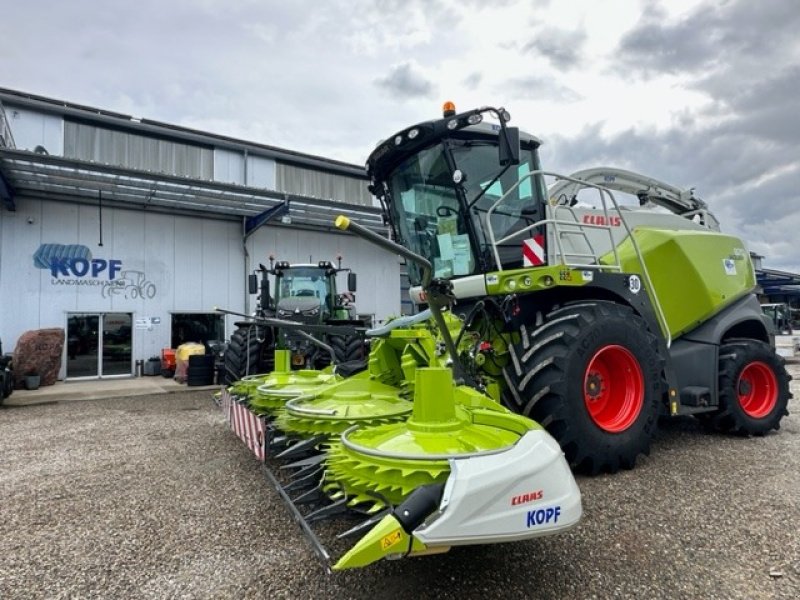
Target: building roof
176,132
31,174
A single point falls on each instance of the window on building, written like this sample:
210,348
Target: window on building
197,327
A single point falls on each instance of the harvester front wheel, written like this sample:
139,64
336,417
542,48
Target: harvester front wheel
753,388
591,375
251,351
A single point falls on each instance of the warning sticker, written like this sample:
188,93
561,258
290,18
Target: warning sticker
533,251
729,265
390,540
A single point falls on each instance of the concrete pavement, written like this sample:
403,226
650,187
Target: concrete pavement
102,388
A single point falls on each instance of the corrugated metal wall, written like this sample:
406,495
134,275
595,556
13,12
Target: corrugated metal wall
319,184
87,142
193,264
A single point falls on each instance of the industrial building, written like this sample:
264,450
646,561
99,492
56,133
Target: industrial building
127,233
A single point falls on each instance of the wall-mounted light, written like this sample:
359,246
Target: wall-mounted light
286,220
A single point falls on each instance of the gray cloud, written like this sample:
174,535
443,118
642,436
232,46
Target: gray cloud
562,48
473,80
539,88
710,37
406,81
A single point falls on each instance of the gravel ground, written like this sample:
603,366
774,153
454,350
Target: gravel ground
153,497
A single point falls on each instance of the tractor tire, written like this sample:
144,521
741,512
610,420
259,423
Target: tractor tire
250,351
347,348
753,389
590,373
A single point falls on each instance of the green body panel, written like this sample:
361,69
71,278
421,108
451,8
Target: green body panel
694,273
533,279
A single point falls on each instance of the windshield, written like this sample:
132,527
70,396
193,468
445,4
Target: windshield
308,282
429,216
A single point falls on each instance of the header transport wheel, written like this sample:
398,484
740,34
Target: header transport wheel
753,388
591,374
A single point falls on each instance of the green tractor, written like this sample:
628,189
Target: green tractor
593,321
304,294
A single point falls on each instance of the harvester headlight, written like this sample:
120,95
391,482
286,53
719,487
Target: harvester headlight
474,119
511,284
452,123
458,176
527,281
413,133
398,139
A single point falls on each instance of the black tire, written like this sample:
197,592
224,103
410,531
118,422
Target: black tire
251,351
347,348
592,354
753,389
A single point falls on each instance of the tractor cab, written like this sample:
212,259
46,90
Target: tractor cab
304,292
441,183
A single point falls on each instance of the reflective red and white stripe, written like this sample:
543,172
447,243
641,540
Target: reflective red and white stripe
533,251
247,426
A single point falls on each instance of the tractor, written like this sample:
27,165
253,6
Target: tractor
304,294
594,320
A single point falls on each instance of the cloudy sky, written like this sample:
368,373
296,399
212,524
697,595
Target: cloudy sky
698,93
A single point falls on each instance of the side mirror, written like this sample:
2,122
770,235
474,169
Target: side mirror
509,146
252,283
351,282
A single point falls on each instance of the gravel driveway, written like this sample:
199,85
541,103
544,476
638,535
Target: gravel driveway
154,497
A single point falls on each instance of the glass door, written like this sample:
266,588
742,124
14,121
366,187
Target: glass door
99,345
117,344
83,336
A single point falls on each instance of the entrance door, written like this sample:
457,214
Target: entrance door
99,345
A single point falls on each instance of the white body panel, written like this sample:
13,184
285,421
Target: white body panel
524,492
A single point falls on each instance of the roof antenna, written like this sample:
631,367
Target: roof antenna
100,213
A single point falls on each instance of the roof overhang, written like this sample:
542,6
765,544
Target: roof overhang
27,174
773,281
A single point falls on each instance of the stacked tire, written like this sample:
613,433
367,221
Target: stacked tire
201,370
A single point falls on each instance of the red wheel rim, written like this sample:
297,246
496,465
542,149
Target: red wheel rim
613,388
757,389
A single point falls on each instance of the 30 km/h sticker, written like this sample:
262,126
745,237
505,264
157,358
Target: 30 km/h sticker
634,284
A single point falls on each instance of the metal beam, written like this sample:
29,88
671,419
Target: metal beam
251,224
7,194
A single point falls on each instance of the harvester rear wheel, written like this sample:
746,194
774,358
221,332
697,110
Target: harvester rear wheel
753,388
251,351
591,375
